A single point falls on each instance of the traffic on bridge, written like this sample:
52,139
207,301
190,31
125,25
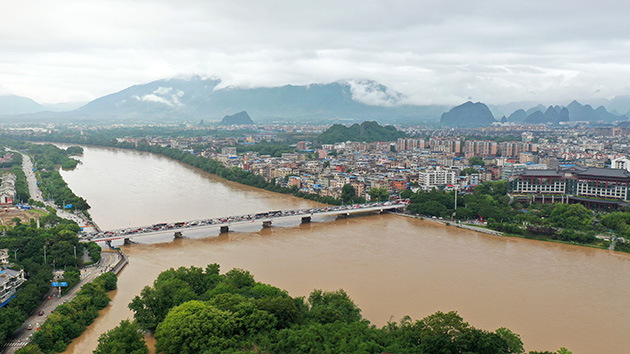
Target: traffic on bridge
225,222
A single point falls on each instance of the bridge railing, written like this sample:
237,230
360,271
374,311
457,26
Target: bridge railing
264,216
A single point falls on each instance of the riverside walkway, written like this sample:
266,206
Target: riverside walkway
225,223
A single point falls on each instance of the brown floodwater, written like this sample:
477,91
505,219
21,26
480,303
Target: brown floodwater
553,295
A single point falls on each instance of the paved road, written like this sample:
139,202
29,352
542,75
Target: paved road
36,194
22,335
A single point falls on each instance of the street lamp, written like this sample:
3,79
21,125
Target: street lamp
15,253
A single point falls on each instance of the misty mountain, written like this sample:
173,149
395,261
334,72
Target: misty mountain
579,112
517,116
239,118
11,104
553,114
199,98
575,111
468,115
539,107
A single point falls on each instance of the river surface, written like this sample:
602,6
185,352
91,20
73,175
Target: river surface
553,295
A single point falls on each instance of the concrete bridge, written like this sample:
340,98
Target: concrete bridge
225,223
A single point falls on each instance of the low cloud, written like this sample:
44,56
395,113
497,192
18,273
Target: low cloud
429,50
164,95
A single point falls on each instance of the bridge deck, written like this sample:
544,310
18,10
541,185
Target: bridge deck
171,228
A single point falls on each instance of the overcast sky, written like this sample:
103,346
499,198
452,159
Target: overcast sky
432,51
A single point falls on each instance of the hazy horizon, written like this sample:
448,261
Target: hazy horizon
430,51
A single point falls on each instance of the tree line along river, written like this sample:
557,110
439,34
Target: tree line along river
553,295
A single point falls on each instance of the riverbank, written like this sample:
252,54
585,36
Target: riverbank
453,223
498,233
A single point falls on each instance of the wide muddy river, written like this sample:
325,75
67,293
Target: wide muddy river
553,295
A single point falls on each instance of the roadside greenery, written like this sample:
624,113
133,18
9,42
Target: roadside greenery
21,185
27,243
192,310
45,157
94,251
70,320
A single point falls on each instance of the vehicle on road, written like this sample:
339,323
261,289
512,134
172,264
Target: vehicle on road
41,313
29,327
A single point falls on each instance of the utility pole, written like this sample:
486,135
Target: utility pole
45,254
15,253
455,208
75,251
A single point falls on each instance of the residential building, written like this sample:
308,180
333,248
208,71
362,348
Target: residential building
436,178
10,280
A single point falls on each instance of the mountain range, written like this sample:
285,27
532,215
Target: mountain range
198,98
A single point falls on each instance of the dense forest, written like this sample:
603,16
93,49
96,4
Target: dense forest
192,310
365,132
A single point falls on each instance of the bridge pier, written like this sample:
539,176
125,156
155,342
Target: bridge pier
306,219
343,216
127,241
224,229
178,234
267,223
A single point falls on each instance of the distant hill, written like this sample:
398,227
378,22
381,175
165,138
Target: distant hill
575,111
579,112
552,114
198,98
518,116
468,115
365,132
239,118
11,104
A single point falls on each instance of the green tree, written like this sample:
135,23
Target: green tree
329,307
29,349
124,338
153,304
573,216
196,327
469,171
513,340
476,161
348,194
378,194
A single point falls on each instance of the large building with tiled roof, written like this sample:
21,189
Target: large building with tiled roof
597,188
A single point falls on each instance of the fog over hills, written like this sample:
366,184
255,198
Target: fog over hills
196,98
199,98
